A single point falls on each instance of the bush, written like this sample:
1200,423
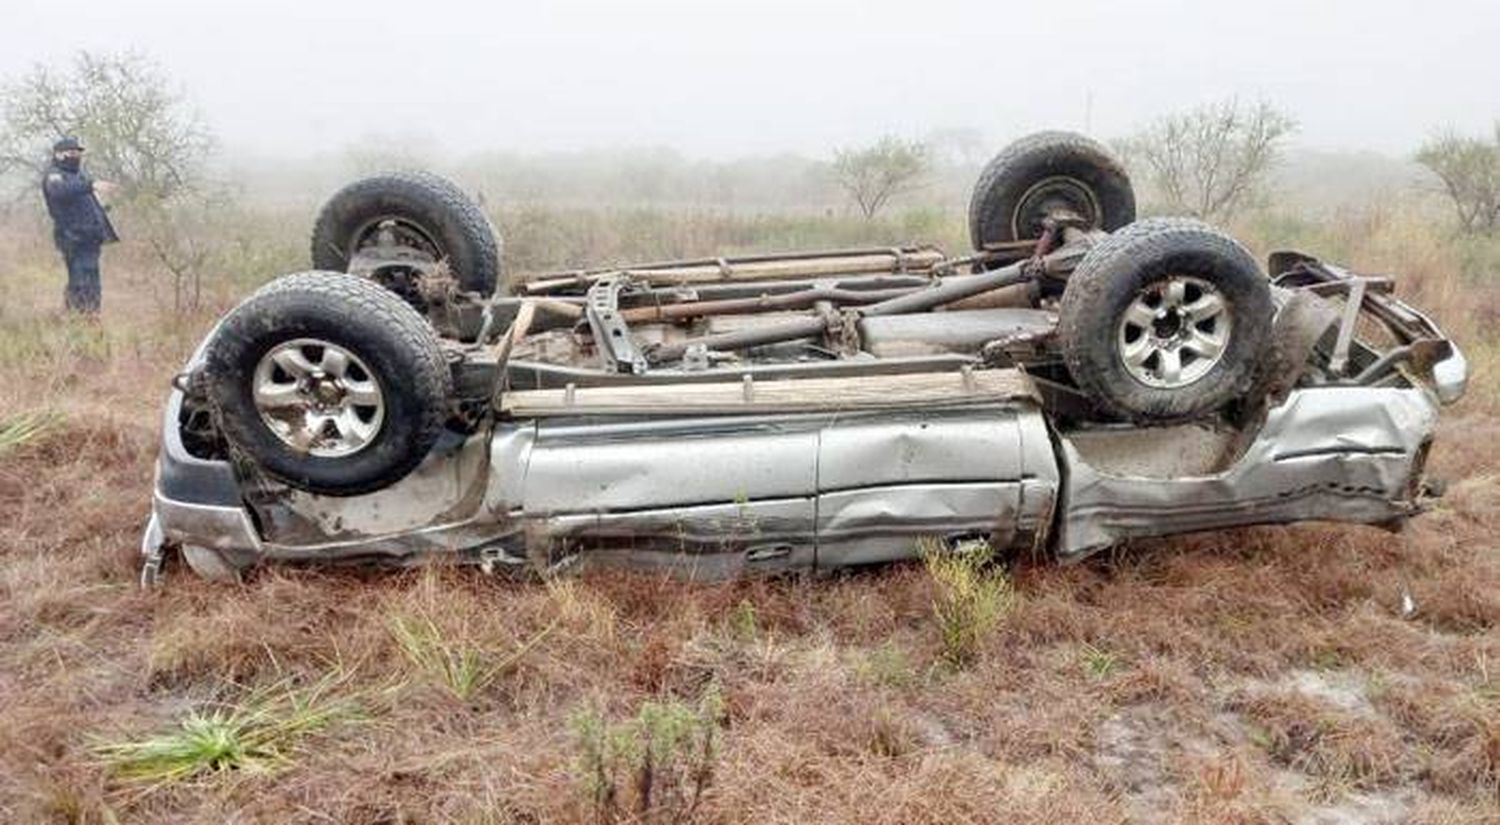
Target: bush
1469,169
654,767
972,596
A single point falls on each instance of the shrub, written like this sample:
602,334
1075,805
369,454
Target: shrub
653,767
972,596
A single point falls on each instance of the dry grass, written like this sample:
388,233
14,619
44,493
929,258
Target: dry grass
1253,676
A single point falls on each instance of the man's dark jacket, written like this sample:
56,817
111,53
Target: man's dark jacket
78,218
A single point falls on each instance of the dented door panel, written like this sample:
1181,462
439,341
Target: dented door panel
710,494
885,483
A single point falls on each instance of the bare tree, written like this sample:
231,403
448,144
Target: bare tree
875,174
186,235
139,131
1210,162
1470,171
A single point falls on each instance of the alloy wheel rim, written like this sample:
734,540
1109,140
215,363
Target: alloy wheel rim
318,398
1174,332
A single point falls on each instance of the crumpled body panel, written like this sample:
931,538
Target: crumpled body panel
719,496
1335,453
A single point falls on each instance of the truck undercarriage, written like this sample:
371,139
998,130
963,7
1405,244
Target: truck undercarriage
1080,379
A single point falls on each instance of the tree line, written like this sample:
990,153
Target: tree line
1212,162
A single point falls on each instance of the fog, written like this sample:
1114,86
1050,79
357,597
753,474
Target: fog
722,79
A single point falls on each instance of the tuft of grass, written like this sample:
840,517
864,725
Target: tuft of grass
972,596
1099,663
258,734
24,428
886,735
460,666
888,665
581,610
456,665
743,621
653,767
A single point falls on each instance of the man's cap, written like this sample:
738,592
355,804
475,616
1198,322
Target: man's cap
66,144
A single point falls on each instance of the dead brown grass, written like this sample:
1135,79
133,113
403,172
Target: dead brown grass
1253,676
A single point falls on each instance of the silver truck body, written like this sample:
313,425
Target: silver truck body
714,496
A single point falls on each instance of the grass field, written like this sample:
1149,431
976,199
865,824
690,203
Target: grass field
1252,676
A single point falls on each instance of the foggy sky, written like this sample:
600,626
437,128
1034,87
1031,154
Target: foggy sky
720,79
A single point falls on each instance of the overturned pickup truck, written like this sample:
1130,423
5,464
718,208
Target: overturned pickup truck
1080,379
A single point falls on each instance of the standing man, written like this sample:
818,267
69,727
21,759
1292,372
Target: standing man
80,225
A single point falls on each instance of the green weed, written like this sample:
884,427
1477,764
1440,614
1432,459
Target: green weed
258,734
887,665
459,665
653,767
743,621
1099,663
25,428
972,596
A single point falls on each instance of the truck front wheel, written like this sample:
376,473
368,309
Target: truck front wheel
1165,320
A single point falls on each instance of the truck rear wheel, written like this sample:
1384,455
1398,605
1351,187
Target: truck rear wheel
1044,172
1165,320
400,223
328,382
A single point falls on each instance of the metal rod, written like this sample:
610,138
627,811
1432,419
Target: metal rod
1383,364
755,289
731,260
743,339
513,337
1354,303
738,306
718,271
950,289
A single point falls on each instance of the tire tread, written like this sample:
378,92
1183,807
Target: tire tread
327,252
1114,261
361,303
1004,171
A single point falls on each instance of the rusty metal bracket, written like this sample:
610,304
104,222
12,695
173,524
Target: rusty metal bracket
611,332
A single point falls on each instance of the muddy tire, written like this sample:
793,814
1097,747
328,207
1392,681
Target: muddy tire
427,212
328,382
1164,321
1042,172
